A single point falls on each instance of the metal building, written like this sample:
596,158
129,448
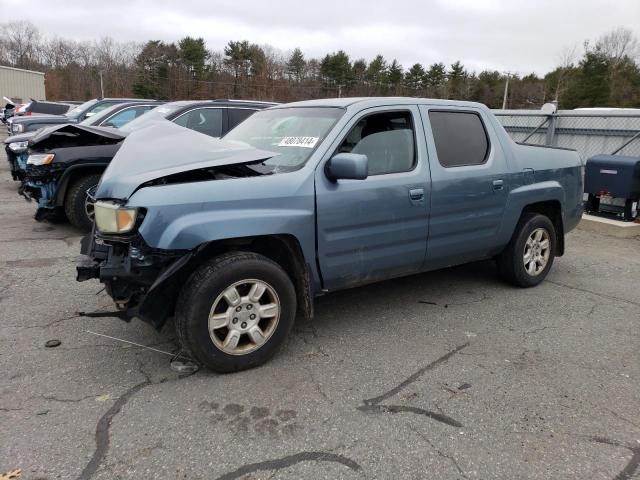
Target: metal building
21,85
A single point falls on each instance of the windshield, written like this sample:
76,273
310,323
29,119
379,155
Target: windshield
159,113
98,117
293,133
76,112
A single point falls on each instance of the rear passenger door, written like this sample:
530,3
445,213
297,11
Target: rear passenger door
207,120
375,228
469,185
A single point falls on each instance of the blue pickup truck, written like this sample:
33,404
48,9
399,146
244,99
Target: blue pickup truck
235,237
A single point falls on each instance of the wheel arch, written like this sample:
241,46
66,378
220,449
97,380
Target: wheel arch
71,174
284,249
551,209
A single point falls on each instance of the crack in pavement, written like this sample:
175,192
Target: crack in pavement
373,405
53,398
631,468
415,376
449,457
408,409
104,424
284,462
598,294
46,325
102,431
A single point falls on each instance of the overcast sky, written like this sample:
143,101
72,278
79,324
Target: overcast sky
509,35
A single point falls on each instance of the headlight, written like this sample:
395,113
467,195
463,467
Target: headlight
40,159
110,218
18,147
17,128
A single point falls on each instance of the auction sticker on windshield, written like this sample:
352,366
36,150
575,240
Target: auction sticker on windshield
306,142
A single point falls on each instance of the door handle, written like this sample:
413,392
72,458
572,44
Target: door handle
498,184
416,194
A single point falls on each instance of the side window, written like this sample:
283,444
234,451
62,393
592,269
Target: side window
203,120
238,115
387,139
121,118
460,138
99,108
142,109
182,120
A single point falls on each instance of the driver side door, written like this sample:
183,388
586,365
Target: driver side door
375,228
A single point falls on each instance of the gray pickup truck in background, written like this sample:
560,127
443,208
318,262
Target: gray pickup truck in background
235,237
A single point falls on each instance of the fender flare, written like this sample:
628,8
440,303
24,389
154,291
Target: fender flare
520,198
68,174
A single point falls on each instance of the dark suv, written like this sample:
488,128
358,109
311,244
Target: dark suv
76,115
65,164
115,115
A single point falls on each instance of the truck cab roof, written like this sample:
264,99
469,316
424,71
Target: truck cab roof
378,101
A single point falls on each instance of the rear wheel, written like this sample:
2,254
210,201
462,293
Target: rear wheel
235,311
528,258
78,206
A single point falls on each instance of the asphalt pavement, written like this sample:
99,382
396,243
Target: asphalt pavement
446,375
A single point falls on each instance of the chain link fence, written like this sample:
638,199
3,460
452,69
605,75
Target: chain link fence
590,133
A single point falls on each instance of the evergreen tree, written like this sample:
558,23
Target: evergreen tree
153,66
377,71
414,77
359,70
395,74
337,69
455,80
238,59
194,54
435,79
590,87
296,65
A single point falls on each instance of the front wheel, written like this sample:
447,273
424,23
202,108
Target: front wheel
78,206
235,311
528,258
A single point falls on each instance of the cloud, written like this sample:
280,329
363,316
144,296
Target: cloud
516,35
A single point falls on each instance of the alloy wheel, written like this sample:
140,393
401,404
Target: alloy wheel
244,316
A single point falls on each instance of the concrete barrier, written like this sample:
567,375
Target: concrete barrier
608,226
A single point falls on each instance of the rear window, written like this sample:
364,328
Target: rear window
460,138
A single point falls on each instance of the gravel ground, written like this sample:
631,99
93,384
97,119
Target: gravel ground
450,374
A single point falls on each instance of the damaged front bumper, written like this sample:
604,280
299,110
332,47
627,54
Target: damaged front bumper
17,163
142,281
41,184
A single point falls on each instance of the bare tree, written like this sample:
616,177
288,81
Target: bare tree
20,44
618,44
567,60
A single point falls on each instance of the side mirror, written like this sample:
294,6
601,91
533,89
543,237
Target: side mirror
351,166
89,114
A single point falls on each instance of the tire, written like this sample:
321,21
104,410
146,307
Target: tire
592,204
203,296
511,262
75,201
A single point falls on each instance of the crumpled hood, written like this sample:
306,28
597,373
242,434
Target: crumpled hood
163,149
74,128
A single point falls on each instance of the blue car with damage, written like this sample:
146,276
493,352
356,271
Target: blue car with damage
235,237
